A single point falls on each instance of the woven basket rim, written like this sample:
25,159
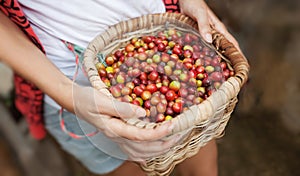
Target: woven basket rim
226,93
233,83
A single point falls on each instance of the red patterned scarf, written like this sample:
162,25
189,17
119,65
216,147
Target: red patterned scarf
28,97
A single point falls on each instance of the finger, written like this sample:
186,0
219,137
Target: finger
112,107
203,24
121,129
220,27
158,146
145,150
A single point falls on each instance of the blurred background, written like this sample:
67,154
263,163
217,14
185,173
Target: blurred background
263,134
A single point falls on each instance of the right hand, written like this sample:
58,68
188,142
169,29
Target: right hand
106,114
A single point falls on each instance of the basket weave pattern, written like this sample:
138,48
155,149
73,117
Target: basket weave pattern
212,114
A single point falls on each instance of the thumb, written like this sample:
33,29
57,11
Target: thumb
204,25
126,110
112,107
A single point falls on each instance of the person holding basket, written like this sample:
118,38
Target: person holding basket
60,26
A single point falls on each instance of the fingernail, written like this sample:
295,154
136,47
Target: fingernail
141,112
208,37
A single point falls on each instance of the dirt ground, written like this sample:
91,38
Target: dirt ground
263,134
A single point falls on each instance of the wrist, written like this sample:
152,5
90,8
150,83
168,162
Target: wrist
65,98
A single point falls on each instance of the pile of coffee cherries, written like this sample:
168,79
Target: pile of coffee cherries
165,73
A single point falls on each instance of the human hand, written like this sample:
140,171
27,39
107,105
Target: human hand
107,114
207,20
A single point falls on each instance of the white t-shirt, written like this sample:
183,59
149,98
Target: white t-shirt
78,22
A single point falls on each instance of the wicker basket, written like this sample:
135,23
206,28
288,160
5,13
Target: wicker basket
214,112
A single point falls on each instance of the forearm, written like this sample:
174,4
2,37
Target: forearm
18,52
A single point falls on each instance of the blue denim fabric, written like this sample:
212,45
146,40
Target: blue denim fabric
83,149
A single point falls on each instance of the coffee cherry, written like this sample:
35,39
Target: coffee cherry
165,74
164,89
136,102
201,89
127,98
177,50
158,83
100,66
146,95
147,39
129,61
151,87
206,82
171,63
190,98
192,74
165,82
165,57
115,91
170,95
120,79
136,81
177,107
151,45
153,76
223,65
226,73
191,90
102,73
109,70
129,48
217,85
177,72
197,100
143,76
161,108
138,90
169,110
154,100
199,83
126,91
147,104
142,56
160,118
183,92
161,47
156,58
139,100
187,38
216,76
183,77
168,70
187,53
209,69
109,60
168,117
188,47
174,85
120,86
107,82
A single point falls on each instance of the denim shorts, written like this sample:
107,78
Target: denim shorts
83,149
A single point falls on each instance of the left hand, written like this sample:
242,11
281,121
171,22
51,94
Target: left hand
199,11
